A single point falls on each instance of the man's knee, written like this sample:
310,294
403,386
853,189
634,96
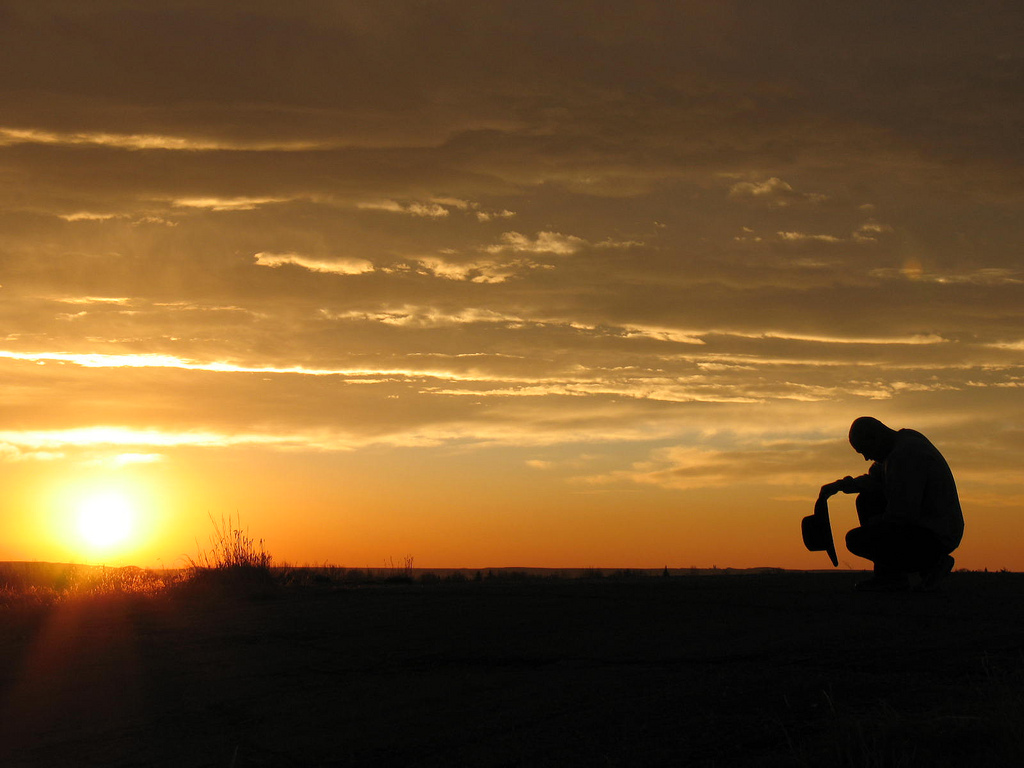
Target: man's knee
858,542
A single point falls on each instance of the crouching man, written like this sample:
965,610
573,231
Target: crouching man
909,510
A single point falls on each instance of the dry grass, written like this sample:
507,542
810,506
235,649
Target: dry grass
234,561
29,584
231,547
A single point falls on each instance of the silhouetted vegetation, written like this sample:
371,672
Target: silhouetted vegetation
234,561
41,584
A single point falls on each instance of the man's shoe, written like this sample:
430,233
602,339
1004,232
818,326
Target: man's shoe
885,582
932,577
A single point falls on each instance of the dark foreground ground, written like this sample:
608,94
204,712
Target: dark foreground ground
787,669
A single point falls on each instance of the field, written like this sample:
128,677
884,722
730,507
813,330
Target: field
756,669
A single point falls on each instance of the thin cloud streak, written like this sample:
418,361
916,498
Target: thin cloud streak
330,266
13,136
98,360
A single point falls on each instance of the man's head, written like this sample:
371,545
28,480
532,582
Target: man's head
871,438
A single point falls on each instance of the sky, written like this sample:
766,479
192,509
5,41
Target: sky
573,284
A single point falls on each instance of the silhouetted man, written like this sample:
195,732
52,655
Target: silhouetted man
909,510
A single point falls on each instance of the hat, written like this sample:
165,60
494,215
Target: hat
817,531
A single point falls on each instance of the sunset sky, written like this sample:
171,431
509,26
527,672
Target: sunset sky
556,284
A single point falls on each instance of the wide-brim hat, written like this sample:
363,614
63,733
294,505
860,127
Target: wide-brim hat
817,531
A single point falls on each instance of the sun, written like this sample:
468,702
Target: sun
106,520
96,517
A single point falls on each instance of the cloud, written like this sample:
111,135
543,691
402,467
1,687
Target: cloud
990,276
11,451
86,216
14,136
553,243
428,317
228,204
118,300
1016,346
544,242
126,436
869,232
470,207
129,459
773,192
332,266
675,335
801,237
916,339
422,210
100,360
480,270
492,215
132,219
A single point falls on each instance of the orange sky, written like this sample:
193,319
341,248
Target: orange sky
503,284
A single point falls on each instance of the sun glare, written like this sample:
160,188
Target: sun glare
106,520
101,516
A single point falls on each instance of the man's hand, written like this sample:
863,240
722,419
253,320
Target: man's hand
846,485
828,490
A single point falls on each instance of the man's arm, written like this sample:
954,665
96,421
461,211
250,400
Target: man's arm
868,482
843,485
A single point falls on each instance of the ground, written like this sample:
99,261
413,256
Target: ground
778,669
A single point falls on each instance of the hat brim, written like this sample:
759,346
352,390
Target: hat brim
817,532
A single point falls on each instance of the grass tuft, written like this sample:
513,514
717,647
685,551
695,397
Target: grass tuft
233,561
